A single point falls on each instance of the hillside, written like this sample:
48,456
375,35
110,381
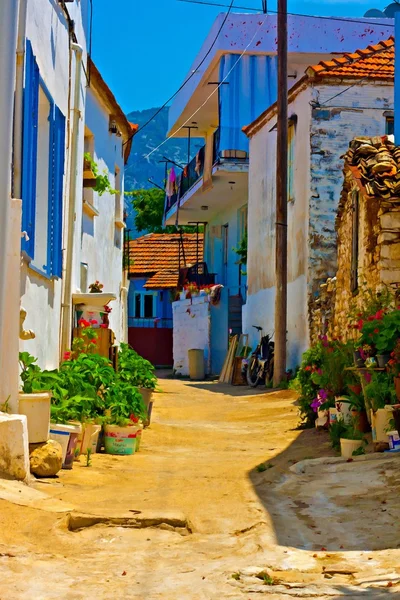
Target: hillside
139,168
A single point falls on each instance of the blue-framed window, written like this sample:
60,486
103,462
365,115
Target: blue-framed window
42,173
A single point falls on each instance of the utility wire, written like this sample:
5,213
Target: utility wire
204,2
293,14
260,24
190,76
359,80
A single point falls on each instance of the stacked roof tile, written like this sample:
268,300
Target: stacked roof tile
378,163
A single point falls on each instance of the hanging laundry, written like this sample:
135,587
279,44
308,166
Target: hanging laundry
171,183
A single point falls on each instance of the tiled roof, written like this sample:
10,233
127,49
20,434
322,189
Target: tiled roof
375,62
158,253
163,280
376,163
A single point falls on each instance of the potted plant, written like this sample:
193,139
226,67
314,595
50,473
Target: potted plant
137,371
105,317
124,409
358,411
96,287
35,398
381,395
352,442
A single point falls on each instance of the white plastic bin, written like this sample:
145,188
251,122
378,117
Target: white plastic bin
36,407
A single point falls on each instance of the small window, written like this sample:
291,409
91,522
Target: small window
355,238
148,306
389,126
137,306
290,174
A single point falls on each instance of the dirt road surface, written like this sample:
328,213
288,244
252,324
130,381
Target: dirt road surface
191,517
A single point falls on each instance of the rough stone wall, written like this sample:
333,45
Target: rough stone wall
334,124
191,322
378,262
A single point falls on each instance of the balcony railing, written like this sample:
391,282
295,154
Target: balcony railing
152,323
195,169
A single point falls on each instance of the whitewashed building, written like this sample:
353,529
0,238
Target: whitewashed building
334,102
55,237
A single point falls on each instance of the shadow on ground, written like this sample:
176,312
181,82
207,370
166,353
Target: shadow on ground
337,506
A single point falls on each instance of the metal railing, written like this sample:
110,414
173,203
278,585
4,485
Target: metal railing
152,323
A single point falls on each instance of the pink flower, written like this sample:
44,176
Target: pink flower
103,326
93,322
67,355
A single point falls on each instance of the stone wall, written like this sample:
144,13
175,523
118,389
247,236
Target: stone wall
191,322
378,261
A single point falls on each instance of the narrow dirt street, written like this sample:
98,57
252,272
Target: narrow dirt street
191,517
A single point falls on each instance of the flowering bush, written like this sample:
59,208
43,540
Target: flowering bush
322,376
86,343
380,331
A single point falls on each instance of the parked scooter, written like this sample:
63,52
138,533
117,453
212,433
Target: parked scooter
261,362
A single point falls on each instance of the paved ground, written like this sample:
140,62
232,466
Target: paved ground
190,517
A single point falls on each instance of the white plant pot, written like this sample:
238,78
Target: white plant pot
323,416
380,423
342,406
36,407
182,295
347,447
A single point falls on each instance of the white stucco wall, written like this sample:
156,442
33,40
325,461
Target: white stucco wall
47,30
191,321
98,244
260,306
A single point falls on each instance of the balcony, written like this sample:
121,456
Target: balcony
228,168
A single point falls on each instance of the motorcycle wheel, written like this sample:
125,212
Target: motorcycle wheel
269,373
253,372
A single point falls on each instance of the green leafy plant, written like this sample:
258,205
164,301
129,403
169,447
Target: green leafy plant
33,378
380,390
336,431
103,184
241,251
124,404
134,369
89,457
352,432
148,205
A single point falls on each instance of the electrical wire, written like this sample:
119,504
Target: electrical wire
292,14
358,81
260,24
190,76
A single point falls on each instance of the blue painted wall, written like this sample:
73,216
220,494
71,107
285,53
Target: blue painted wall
163,309
397,83
252,88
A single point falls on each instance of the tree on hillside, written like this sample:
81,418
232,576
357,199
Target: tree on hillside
149,210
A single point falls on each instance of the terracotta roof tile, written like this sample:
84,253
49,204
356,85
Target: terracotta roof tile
376,62
163,280
158,253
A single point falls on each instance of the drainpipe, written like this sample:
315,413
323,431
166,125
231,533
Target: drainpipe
18,106
8,48
66,308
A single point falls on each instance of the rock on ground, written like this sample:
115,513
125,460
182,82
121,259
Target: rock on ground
45,458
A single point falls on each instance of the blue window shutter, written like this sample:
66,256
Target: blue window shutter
29,149
57,188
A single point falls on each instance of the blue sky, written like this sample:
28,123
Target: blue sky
144,48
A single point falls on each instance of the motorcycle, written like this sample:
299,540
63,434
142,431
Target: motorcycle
261,362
